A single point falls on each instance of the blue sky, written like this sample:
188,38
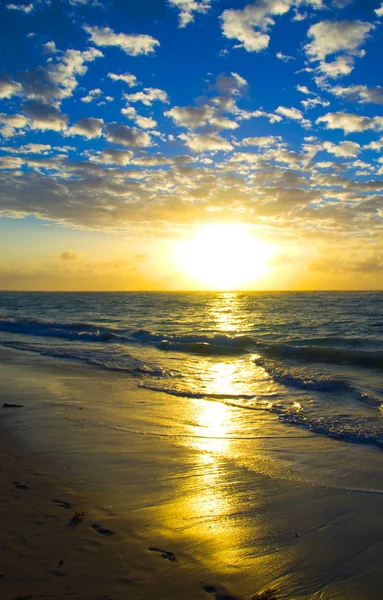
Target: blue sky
124,125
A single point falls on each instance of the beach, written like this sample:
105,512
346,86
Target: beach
232,527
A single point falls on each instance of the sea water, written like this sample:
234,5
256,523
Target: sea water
312,359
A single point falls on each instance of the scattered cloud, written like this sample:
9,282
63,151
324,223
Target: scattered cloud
359,93
334,37
88,127
148,96
126,136
285,57
294,114
343,150
351,123
143,122
128,78
9,88
25,8
205,142
49,48
250,25
187,9
134,45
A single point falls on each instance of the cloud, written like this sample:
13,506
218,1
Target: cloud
11,123
334,37
190,117
110,156
70,255
57,80
141,121
205,142
188,7
25,8
340,67
304,90
128,78
148,96
134,45
8,88
44,116
126,136
294,114
88,127
351,123
379,11
92,95
314,102
49,48
343,150
284,57
263,142
249,26
359,93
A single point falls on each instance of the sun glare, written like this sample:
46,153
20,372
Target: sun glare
224,257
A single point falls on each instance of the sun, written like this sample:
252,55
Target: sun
223,257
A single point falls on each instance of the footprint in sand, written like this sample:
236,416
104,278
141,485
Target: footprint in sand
102,530
217,595
63,504
164,554
20,486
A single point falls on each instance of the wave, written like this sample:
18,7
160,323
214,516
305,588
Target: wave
128,364
319,354
195,343
70,331
334,352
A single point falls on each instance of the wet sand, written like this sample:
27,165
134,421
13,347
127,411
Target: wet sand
168,516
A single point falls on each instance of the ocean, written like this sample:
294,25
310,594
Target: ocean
312,359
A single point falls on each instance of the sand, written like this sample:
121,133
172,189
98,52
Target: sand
168,517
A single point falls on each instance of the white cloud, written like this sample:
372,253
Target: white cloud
126,136
359,93
379,11
304,90
58,80
12,124
92,95
263,142
44,116
332,37
143,122
49,48
343,150
284,57
128,78
314,102
249,26
134,45
9,88
148,96
190,117
26,8
205,142
88,127
340,67
110,156
294,114
188,7
350,122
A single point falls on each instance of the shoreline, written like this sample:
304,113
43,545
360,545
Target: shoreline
233,523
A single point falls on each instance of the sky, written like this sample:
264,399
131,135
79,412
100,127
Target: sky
191,144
